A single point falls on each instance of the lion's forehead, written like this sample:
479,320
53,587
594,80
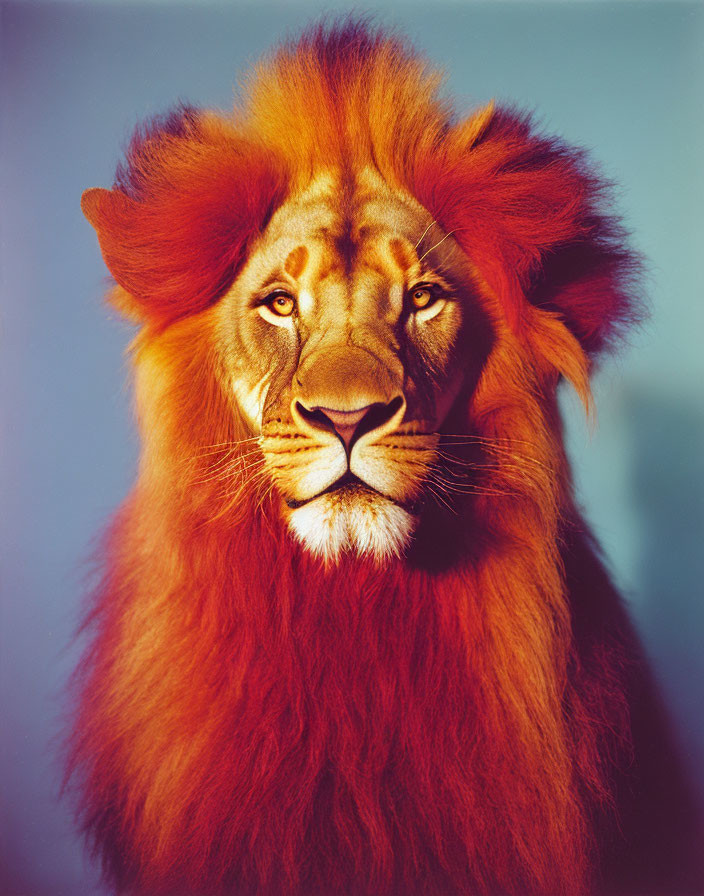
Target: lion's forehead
336,198
355,231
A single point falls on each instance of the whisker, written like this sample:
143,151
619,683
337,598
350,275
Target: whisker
265,495
456,481
224,452
474,489
439,498
415,248
474,438
499,467
451,458
521,459
503,451
435,246
229,501
222,445
231,469
227,458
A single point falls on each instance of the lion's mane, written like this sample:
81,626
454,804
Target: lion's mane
460,720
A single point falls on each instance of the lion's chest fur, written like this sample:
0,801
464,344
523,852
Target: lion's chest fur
359,730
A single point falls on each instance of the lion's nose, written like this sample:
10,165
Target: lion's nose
350,425
344,423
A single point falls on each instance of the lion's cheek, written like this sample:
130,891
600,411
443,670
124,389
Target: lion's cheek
250,398
374,467
302,473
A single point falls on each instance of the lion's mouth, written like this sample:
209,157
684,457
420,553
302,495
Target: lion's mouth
349,485
346,483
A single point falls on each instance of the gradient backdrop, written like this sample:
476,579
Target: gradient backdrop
624,79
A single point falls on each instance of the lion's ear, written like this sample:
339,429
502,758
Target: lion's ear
113,216
471,130
109,212
91,201
177,226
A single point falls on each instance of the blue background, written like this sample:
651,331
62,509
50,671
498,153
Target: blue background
624,79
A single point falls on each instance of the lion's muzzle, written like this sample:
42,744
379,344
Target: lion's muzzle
373,420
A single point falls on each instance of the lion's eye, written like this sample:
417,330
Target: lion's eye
423,295
281,303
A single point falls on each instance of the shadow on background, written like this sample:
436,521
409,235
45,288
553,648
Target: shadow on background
668,497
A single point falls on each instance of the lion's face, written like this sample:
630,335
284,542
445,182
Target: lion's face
340,341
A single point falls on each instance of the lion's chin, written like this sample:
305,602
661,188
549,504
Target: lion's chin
352,520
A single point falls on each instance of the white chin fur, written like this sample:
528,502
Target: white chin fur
332,524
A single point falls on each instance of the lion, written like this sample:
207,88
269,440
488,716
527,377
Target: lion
353,635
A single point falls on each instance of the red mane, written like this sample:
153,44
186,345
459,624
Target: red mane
253,722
